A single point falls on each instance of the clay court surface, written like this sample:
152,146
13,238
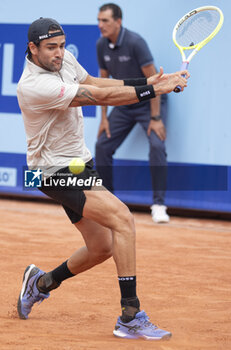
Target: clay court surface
183,270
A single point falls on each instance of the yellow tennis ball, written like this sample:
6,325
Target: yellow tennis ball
76,166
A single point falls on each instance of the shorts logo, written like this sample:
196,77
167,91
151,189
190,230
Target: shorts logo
33,178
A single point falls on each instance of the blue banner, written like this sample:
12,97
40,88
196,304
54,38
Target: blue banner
190,186
80,40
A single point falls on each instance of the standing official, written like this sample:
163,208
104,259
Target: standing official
124,54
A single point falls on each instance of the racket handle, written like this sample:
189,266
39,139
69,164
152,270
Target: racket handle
183,67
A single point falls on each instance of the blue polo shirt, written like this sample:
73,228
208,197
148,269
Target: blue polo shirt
125,58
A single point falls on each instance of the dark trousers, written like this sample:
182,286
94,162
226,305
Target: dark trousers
121,120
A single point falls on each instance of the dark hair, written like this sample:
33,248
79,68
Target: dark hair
116,10
28,51
52,28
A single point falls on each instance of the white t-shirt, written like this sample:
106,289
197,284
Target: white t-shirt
54,130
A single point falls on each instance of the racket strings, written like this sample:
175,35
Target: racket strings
197,28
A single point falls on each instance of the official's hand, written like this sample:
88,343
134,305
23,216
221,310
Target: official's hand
158,127
104,126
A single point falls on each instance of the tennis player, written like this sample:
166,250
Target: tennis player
51,91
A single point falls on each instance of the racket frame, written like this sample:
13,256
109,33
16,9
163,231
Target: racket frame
196,48
202,43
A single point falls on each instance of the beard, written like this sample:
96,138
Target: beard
54,66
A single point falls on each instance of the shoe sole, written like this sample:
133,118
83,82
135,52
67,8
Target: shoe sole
120,334
161,221
27,275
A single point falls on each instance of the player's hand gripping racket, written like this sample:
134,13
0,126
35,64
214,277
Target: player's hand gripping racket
194,30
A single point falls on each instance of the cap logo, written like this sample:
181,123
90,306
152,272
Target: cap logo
47,36
41,37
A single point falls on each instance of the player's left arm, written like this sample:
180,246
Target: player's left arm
156,125
109,82
102,82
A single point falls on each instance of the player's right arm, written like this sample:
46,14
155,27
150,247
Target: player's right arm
104,124
124,95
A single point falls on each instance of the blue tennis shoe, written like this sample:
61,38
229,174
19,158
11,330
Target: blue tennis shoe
139,327
29,293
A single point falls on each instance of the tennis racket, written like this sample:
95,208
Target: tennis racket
194,30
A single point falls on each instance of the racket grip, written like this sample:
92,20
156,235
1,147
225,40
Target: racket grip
183,67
